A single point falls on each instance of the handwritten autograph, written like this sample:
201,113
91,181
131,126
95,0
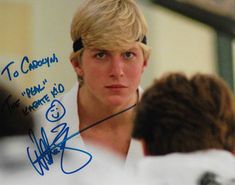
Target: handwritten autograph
56,111
28,66
45,150
43,155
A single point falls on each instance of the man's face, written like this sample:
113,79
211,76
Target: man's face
112,77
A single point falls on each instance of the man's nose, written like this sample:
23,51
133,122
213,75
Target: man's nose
116,67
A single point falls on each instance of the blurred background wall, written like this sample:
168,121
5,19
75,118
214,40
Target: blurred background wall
38,29
178,43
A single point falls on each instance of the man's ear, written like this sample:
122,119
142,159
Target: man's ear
144,65
77,66
145,62
144,146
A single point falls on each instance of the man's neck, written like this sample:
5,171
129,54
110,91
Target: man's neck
92,111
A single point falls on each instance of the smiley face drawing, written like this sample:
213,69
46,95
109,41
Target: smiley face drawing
56,111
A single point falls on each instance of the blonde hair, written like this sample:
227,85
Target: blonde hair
109,25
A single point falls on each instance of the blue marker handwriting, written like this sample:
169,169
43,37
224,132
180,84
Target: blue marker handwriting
57,89
11,103
34,90
27,66
43,155
44,152
55,112
36,104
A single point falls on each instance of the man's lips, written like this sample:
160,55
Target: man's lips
115,86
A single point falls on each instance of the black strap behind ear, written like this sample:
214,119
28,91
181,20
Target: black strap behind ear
77,45
144,40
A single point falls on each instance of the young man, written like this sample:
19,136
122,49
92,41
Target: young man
109,56
187,126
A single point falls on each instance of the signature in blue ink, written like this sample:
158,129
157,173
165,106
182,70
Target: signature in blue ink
56,111
42,156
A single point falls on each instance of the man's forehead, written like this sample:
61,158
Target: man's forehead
118,49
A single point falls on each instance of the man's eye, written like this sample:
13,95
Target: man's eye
128,55
100,55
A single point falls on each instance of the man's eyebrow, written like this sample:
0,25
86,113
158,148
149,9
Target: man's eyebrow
131,49
106,50
97,49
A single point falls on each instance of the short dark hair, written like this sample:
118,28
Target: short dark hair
13,122
178,114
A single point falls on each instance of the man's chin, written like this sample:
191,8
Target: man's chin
117,102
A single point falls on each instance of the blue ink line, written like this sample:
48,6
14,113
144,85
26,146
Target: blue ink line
55,112
96,123
37,103
45,81
6,68
35,64
44,158
33,90
27,66
57,89
107,118
46,150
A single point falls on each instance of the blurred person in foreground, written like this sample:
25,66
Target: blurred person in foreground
15,167
187,129
14,128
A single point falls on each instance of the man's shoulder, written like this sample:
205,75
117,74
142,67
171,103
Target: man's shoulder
187,168
57,107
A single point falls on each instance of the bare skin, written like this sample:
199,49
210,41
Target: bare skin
111,79
113,134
